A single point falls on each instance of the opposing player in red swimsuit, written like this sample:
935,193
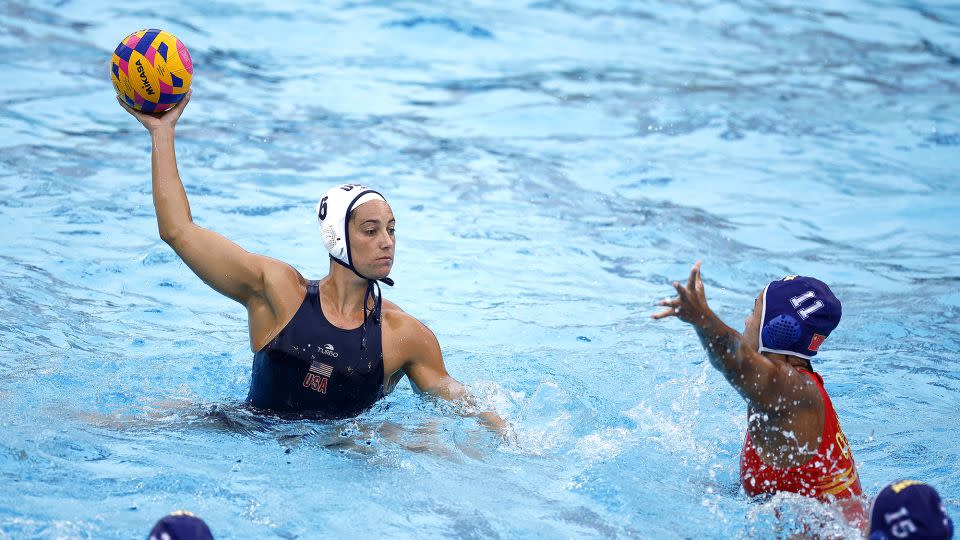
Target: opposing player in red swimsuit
794,442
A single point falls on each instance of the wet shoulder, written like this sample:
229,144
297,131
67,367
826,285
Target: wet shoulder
389,306
400,324
406,338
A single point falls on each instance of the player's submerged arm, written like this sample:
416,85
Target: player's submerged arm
427,373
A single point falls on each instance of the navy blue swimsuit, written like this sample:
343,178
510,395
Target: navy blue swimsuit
317,369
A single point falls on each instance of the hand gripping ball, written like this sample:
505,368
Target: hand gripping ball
151,70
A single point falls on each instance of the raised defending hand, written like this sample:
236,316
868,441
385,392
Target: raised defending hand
159,121
690,304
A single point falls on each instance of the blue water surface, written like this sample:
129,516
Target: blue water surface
552,165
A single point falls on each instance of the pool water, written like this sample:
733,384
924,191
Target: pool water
552,166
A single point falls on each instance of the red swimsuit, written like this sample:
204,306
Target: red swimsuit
830,473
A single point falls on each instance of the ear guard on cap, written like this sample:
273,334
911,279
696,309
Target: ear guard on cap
781,332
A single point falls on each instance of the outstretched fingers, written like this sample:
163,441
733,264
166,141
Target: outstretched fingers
698,284
694,273
673,308
686,294
682,292
669,312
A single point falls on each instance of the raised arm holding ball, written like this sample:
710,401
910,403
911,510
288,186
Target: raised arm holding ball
329,348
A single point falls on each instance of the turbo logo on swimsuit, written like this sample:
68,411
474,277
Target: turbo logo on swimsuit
327,350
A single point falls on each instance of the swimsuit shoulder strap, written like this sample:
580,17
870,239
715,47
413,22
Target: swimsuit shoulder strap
313,300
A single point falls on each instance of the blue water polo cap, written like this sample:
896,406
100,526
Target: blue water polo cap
180,525
909,510
798,314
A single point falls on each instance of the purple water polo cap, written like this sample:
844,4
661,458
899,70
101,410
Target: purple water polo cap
799,313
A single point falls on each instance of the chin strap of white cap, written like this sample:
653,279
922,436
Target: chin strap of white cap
385,280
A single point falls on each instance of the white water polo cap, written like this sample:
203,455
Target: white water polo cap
333,215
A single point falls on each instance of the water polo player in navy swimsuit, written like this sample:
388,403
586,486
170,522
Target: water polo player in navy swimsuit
329,348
